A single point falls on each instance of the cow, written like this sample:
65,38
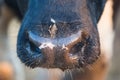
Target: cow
61,34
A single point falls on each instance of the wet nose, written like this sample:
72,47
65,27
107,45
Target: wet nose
57,48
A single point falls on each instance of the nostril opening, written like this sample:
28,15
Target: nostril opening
34,47
77,48
81,63
33,38
31,44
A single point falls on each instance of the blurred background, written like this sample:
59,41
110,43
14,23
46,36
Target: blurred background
11,65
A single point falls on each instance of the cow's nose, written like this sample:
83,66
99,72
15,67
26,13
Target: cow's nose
58,49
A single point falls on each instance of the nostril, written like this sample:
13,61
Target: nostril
73,57
76,52
34,48
81,63
33,39
31,44
77,48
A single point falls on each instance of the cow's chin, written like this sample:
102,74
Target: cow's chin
76,52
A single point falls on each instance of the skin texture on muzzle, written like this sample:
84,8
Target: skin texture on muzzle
60,34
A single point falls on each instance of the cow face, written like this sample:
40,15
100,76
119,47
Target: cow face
60,33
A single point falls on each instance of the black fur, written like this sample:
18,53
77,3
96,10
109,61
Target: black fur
96,8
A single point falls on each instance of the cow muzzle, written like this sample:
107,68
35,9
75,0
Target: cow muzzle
64,53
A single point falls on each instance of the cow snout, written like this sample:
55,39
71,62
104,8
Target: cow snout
58,52
65,50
